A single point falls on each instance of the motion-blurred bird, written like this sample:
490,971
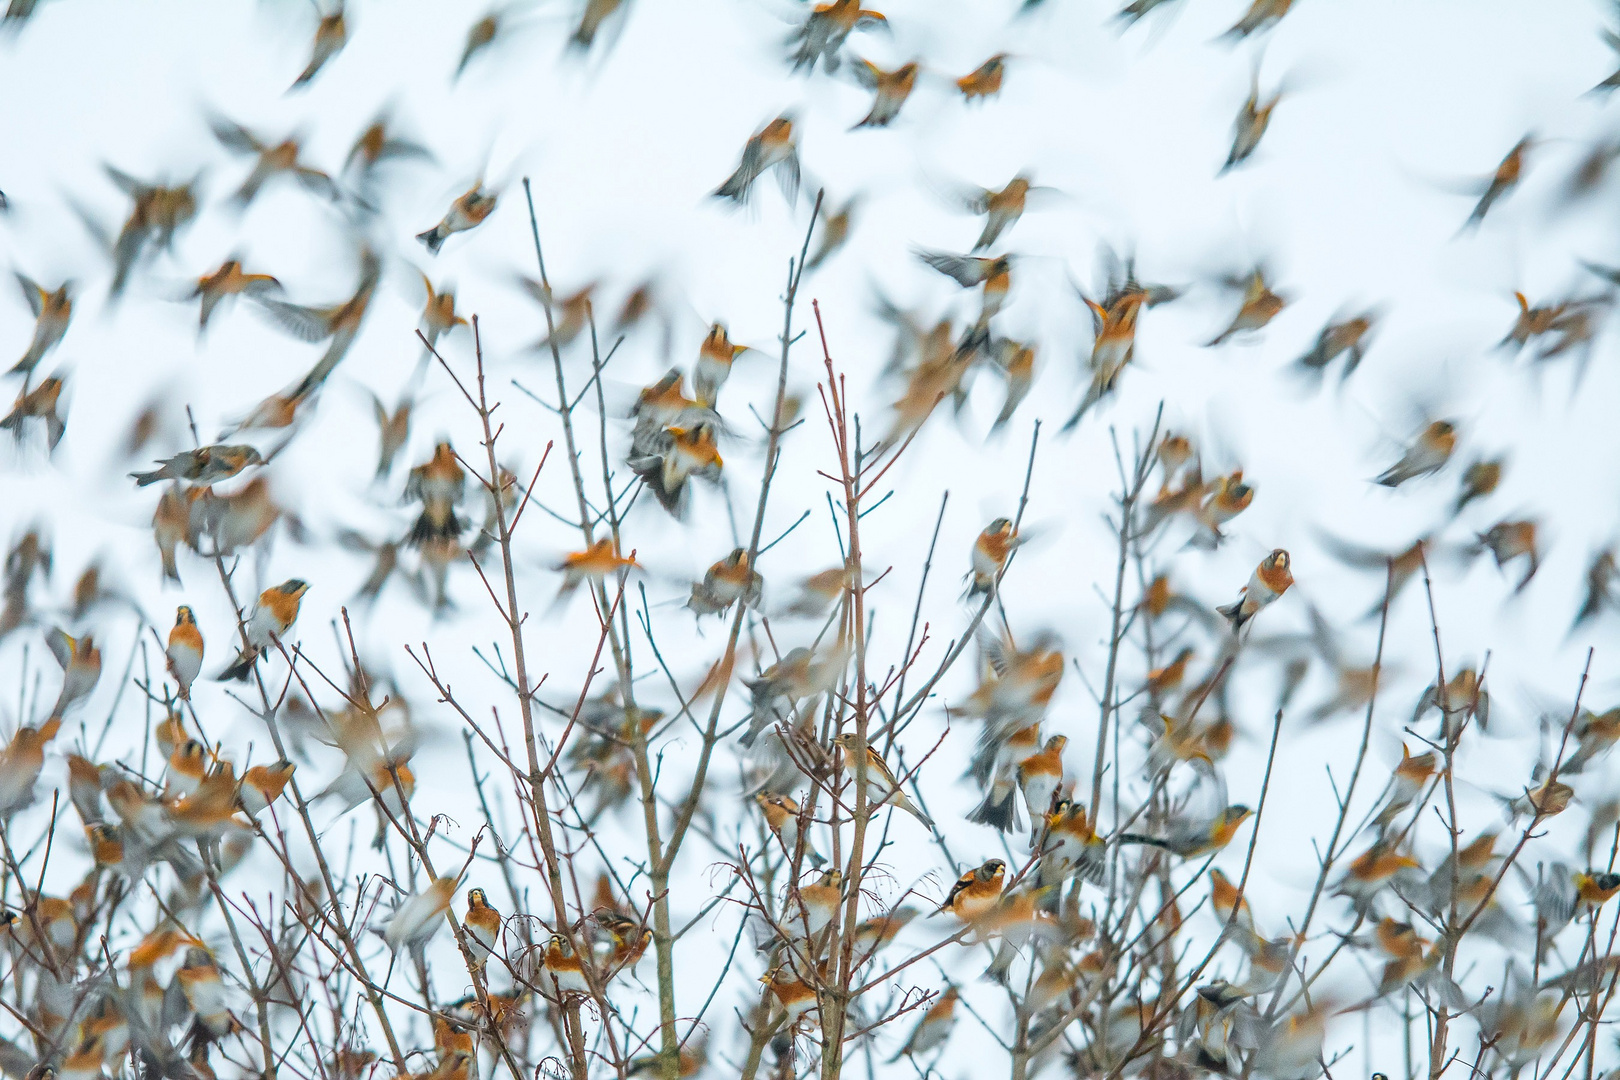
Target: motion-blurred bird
1428,453
467,211
52,313
338,324
1337,338
984,81
772,147
824,31
81,667
1250,126
1504,180
993,273
270,160
1260,304
331,34
225,282
205,466
891,89
42,403
1509,540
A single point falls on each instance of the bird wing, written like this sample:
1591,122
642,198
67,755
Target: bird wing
32,293
965,270
235,136
304,323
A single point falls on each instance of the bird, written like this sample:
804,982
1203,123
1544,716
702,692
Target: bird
891,89
1016,362
934,1027
283,158
439,313
1503,180
801,673
339,324
812,907
1270,580
991,550
1250,126
881,786
1428,453
439,484
157,212
782,817
772,147
1261,15
21,762
53,311
262,785
1192,839
206,465
331,34
1259,305
728,581
185,650
1337,338
592,565
417,917
1068,844
467,211
835,230
1405,785
479,37
1479,480
796,996
679,453
993,273
482,925
227,281
43,403
81,667
595,13
272,617
1040,776
976,892
1509,540
824,31
985,80
714,365
393,431
1113,324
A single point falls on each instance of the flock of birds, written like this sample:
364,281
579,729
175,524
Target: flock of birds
85,1004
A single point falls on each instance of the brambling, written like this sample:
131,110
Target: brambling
1595,735
881,786
825,30
796,996
1231,909
1040,777
42,403
479,37
187,767
891,89
1503,180
1229,497
1410,776
439,485
331,34
1478,481
21,763
157,213
204,991
262,785
596,13
1350,335
270,160
782,818
338,324
993,273
835,230
84,787
272,617
1192,839
1262,15
1428,453
1373,870
991,550
1015,920
1016,362
1270,580
52,312
592,565
439,313
773,147
1250,126
1113,325
677,454
983,82
185,650
225,282
417,917
1069,844
728,581
819,901
1547,799
934,1027
630,939
995,766
377,144
713,366
799,675
468,211
873,934
1260,304
81,667
1509,540
482,925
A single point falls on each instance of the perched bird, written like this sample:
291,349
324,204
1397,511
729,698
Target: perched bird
881,786
1270,580
824,31
43,403
1069,844
812,907
52,313
1428,453
934,1027
984,81
270,160
782,817
1504,180
205,465
891,89
81,667
483,928
772,147
991,550
331,34
1040,777
468,211
187,768
417,917
796,996
204,991
185,650
272,617
1192,839
1259,305
975,892
713,366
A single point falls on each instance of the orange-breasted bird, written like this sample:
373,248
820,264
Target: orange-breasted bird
891,89
1040,776
339,324
1478,481
483,927
773,146
227,281
21,762
205,465
262,785
1113,324
377,144
826,28
1595,735
467,211
42,403
593,564
731,579
81,667
1259,305
1600,579
1379,866
1190,838
1503,180
439,485
1270,580
185,650
801,673
1250,126
1229,496
1428,453
52,313
1410,776
984,81
418,917
439,313
157,213
1509,540
1001,209
270,160
1350,335
881,786
272,617
1463,696
186,769
934,1027
1069,844
591,18
976,891
991,550
819,902
331,34
678,454
1016,362
782,816
796,996
993,273
714,365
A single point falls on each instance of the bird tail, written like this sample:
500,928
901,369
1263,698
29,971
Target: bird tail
434,238
144,478
431,526
238,672
1138,838
1233,613
998,810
